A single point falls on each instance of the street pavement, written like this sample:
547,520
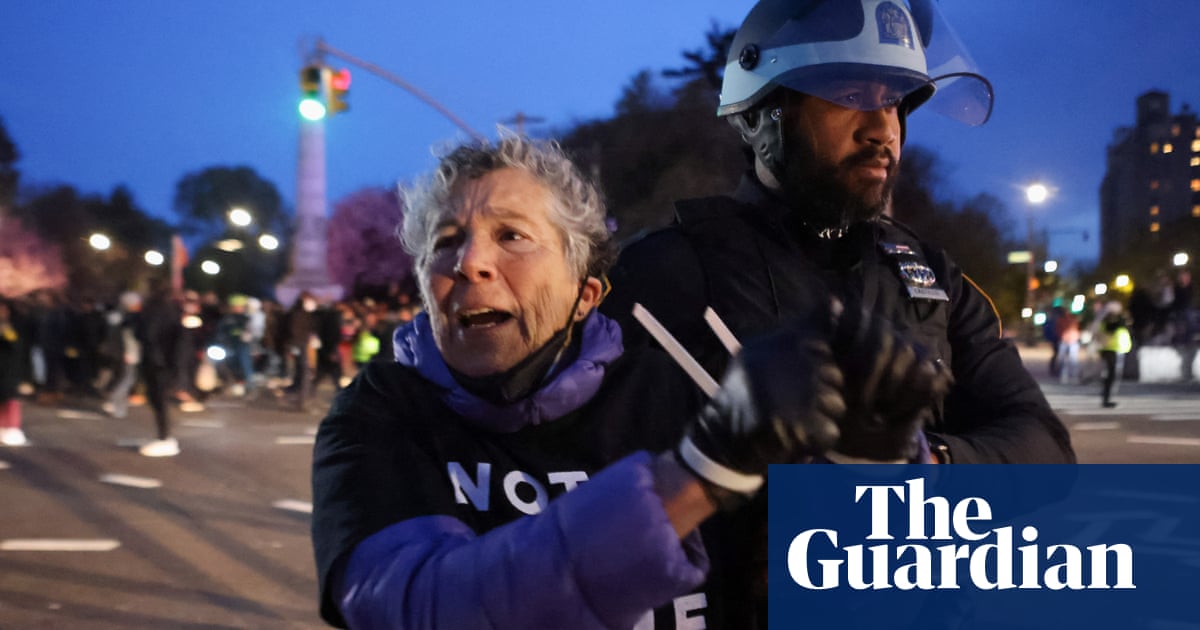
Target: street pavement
94,536
1153,423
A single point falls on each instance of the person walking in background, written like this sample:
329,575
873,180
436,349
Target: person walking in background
300,332
1052,334
158,330
10,379
130,350
1115,342
1067,330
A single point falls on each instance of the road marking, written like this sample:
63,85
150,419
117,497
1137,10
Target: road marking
1163,440
71,414
293,505
225,404
296,439
1175,417
130,480
201,423
58,544
1095,426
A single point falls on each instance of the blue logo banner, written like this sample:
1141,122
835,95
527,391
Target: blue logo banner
984,547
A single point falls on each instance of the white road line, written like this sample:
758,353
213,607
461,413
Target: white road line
224,404
293,505
1095,426
71,414
200,423
129,480
58,544
1175,417
1163,440
296,439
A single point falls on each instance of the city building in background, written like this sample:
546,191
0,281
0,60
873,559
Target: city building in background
1152,178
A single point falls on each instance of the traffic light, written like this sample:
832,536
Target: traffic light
312,104
339,87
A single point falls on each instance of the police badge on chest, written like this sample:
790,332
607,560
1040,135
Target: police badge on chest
919,280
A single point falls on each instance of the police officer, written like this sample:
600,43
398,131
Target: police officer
820,90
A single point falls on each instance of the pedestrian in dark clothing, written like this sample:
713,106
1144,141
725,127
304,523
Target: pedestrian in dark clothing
158,328
11,358
300,331
328,354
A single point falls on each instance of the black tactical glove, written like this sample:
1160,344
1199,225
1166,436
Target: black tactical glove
890,388
779,401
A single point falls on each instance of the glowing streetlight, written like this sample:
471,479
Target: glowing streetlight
1036,193
268,242
1100,288
210,267
1121,281
154,258
1051,266
240,217
1180,259
99,241
1026,313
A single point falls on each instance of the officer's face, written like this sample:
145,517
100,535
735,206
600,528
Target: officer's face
842,161
499,283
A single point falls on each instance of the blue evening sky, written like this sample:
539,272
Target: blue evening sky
140,92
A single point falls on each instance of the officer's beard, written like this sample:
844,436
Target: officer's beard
829,197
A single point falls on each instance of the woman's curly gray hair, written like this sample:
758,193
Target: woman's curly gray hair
577,209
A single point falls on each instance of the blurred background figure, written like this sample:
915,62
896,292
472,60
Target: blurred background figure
234,335
1068,333
130,351
159,330
11,359
1114,341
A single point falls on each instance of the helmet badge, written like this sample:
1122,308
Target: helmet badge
748,58
894,26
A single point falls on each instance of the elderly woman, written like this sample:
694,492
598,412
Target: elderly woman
499,474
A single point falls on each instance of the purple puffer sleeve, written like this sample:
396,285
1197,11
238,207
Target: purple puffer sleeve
600,556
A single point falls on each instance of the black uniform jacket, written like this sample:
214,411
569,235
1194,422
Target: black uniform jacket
745,257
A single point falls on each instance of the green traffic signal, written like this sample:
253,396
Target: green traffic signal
312,108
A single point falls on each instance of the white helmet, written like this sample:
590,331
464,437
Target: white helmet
817,46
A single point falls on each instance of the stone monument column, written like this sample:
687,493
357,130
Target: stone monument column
308,268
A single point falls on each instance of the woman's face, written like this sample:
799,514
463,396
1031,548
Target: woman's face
499,282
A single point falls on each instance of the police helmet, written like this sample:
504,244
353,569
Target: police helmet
816,46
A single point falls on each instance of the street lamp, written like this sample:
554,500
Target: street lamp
1180,259
1036,194
154,258
240,217
1100,288
268,242
210,267
1051,266
1121,281
99,241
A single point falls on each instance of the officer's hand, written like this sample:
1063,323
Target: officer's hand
779,401
890,388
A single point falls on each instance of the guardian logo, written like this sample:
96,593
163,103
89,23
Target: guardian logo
944,544
984,547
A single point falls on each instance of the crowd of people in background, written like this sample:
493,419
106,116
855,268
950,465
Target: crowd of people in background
1093,346
178,348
